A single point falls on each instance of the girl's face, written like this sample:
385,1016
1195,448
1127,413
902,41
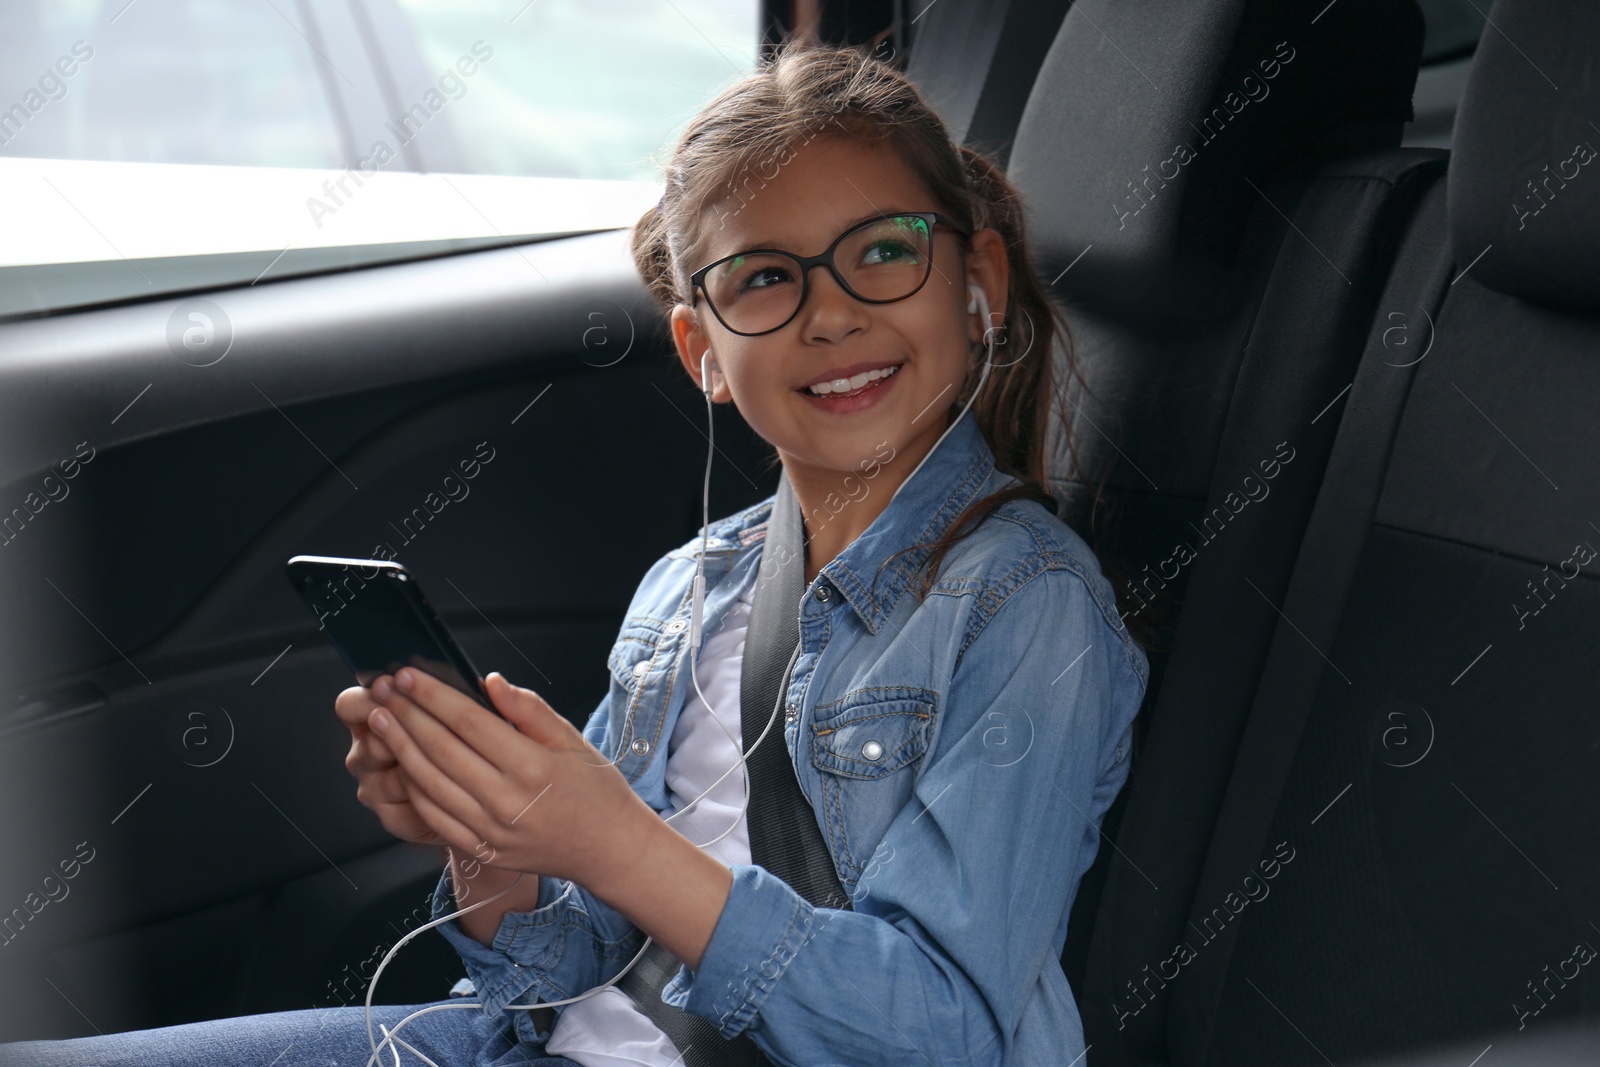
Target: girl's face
827,187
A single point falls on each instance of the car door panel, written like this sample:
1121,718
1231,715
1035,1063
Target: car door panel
169,698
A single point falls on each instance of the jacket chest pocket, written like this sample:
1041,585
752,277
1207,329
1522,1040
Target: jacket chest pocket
638,659
636,653
861,744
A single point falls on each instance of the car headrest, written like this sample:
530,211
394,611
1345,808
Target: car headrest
1150,122
1524,184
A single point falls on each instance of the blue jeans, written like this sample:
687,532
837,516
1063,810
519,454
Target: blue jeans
328,1037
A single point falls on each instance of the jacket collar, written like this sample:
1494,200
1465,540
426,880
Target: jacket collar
952,477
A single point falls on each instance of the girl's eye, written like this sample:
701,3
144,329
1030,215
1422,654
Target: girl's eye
764,277
888,251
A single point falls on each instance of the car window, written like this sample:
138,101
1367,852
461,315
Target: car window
162,81
557,88
151,146
581,88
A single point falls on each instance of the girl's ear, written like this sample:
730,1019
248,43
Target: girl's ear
691,343
988,268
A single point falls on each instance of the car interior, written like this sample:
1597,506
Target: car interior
1331,276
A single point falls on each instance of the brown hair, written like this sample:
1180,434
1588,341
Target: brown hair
731,149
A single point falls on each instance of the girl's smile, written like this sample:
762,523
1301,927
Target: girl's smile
847,389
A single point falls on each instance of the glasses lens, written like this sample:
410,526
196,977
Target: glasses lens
887,259
754,293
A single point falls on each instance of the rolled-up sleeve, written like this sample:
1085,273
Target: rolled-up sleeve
569,942
964,902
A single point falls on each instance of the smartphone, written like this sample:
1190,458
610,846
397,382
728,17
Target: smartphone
375,614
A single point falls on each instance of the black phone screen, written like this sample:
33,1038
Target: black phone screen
377,618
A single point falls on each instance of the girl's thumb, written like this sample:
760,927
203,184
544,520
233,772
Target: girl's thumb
525,709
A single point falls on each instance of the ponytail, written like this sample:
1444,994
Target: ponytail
653,257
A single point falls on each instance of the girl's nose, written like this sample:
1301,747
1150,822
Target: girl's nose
829,312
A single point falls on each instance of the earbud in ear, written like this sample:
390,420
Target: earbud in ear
706,362
973,292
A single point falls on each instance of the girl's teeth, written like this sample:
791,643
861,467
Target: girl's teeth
847,385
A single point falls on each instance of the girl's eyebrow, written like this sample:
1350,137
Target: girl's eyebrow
853,222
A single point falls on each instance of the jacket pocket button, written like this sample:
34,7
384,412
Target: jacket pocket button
872,750
676,626
641,668
640,746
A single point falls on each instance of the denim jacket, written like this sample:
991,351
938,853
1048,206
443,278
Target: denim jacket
959,754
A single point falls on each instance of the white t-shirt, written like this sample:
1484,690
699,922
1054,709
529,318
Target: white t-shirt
607,1030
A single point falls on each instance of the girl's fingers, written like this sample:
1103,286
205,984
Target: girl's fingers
362,763
353,705
467,741
378,752
456,834
384,787
534,718
369,755
424,778
406,823
420,714
529,713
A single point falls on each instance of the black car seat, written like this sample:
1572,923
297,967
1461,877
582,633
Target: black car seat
1219,299
1425,738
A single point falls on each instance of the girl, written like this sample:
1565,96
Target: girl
957,710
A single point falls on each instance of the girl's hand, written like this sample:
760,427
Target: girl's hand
525,793
381,782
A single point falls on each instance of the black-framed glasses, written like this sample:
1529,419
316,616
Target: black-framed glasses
879,261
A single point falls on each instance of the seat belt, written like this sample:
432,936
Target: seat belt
785,837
